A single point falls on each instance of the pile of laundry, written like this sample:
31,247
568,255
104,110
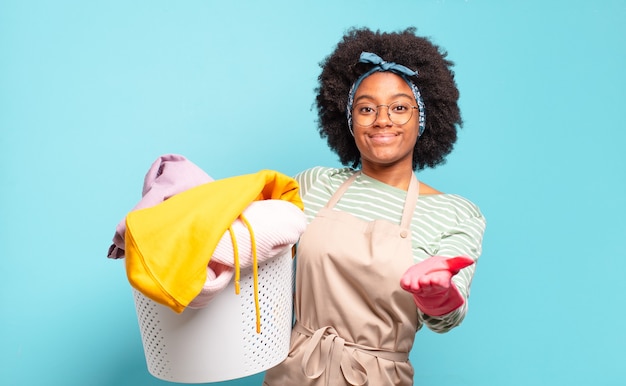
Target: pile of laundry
189,235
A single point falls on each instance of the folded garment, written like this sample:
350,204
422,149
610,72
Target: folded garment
276,226
218,277
168,175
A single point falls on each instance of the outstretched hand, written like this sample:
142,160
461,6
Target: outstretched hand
430,282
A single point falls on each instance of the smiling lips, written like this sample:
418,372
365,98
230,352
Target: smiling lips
382,138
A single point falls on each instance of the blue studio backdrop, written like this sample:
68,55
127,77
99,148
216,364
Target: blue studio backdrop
92,92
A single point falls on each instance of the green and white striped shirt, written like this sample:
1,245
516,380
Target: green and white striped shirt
443,224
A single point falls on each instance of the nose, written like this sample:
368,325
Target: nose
382,117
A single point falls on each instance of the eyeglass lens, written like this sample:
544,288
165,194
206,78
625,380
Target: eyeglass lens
365,114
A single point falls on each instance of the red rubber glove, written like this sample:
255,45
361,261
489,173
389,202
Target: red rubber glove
431,284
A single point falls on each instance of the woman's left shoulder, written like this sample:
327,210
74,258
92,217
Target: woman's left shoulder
456,203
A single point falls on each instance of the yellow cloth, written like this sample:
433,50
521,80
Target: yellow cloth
168,246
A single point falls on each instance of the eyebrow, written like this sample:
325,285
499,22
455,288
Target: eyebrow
367,96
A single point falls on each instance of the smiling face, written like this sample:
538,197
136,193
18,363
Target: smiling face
385,145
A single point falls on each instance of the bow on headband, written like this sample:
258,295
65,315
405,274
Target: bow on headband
381,65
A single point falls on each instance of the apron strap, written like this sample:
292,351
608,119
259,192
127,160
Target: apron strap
409,203
342,189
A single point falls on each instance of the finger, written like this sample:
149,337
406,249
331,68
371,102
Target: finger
432,290
439,279
455,264
405,282
409,283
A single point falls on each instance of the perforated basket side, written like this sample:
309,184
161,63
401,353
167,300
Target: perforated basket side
220,342
152,335
270,347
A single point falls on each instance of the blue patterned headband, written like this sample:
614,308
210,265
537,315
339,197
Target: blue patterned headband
381,65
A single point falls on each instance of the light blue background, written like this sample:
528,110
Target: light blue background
92,92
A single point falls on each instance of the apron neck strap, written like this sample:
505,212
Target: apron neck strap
409,203
342,189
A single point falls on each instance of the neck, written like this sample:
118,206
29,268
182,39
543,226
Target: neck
397,177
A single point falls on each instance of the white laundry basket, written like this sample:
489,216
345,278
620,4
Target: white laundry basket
220,342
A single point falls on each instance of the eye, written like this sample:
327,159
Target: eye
400,108
366,109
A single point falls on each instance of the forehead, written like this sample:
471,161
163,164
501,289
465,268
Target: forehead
383,85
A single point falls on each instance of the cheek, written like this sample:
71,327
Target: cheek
411,134
360,140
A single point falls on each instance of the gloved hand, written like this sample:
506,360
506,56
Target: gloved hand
430,282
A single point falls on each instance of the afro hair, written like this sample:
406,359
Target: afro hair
435,81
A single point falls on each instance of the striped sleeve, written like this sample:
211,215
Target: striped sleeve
308,177
317,185
463,239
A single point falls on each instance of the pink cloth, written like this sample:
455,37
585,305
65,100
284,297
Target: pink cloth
276,224
217,278
169,174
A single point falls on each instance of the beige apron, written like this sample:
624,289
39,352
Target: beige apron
355,325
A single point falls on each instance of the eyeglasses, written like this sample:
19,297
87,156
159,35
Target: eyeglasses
365,114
